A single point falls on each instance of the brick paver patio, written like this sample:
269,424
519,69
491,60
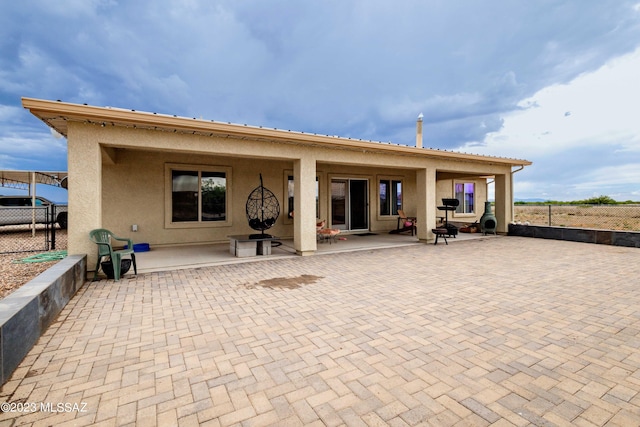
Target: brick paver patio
503,331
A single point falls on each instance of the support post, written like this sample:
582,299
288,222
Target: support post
504,204
304,196
426,202
32,193
85,180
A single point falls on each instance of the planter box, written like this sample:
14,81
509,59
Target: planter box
26,313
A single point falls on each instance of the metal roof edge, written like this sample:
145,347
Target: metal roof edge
83,112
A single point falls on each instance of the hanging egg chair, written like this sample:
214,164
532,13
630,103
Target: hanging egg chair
262,210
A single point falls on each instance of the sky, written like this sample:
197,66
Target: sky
550,81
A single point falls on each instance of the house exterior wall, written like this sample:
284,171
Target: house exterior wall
137,195
118,177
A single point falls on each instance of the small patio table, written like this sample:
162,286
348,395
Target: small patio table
246,245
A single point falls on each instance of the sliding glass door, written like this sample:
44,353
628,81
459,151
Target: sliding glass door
350,204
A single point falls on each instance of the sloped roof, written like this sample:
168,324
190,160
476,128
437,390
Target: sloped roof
57,114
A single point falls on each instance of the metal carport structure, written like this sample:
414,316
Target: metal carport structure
27,180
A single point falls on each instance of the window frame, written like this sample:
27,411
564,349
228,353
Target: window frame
462,204
168,214
392,180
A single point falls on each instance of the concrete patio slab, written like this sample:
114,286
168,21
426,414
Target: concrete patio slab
195,256
504,331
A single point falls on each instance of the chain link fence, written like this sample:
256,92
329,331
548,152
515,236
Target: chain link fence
599,217
18,233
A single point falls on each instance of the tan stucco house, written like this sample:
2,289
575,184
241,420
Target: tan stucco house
128,167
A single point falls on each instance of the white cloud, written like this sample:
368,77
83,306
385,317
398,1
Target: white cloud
594,109
8,113
583,136
607,176
42,149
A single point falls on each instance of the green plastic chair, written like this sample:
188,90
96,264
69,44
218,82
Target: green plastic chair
103,239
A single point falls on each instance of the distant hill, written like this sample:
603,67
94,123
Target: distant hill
530,200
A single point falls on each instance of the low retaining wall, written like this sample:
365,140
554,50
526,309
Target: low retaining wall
585,235
27,312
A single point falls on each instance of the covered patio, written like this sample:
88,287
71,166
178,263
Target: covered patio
196,256
178,181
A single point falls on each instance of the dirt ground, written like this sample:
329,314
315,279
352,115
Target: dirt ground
624,218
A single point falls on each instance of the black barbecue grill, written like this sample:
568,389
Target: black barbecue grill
449,205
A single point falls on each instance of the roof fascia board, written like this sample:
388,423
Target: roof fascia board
41,108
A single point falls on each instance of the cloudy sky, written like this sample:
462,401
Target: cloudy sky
555,82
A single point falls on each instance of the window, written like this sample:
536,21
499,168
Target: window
465,193
198,195
390,196
213,188
290,192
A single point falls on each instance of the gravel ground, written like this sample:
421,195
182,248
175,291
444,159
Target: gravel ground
13,274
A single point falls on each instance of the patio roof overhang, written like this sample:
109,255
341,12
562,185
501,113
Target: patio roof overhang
57,115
